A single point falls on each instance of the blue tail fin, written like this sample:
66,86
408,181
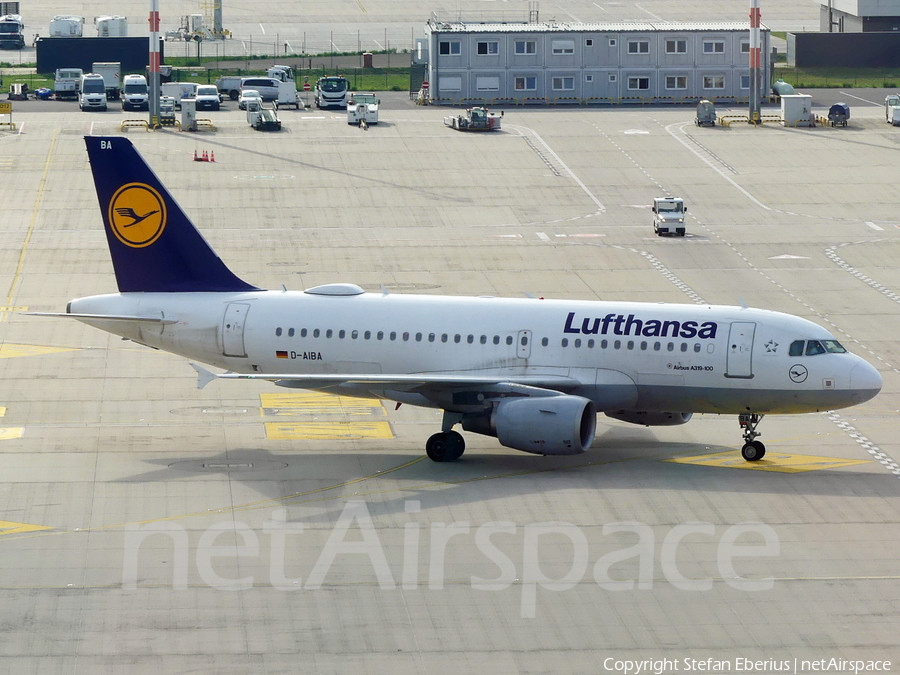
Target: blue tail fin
154,245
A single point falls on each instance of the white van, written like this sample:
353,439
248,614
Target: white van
207,97
266,86
93,92
135,93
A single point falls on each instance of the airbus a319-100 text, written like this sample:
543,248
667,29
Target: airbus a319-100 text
534,373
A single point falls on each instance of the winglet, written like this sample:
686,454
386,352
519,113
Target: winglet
204,376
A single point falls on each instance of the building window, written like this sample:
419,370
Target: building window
713,81
676,46
588,78
450,48
612,42
526,83
613,77
563,83
487,83
487,48
713,47
450,84
638,83
745,81
589,43
745,47
676,82
638,47
526,47
563,46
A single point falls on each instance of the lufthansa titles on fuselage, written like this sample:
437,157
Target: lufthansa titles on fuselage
619,324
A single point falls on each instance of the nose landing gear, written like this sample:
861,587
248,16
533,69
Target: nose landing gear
753,450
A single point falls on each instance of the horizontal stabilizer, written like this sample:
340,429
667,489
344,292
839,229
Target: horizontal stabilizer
107,317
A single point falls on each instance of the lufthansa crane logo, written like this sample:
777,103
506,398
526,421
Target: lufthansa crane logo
137,215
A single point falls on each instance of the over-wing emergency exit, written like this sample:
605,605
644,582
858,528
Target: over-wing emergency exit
533,373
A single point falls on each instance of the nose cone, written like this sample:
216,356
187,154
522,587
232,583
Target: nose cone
865,381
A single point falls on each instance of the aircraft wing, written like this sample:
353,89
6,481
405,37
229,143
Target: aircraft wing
524,385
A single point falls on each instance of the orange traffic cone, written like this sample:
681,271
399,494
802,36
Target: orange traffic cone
196,159
205,156
212,155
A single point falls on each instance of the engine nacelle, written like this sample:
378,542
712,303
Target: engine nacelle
552,425
651,419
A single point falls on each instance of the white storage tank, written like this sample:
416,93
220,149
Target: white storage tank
796,110
111,26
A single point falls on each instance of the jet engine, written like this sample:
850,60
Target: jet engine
552,425
651,419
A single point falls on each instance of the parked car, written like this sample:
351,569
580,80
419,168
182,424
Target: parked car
266,86
248,95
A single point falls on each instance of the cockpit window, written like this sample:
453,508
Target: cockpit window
814,347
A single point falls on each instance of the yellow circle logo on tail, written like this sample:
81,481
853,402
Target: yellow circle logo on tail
137,215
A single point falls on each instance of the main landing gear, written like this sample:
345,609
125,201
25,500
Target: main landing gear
753,450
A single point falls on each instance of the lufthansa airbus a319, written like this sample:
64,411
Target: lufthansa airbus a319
533,373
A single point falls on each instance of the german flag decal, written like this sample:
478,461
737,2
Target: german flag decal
281,355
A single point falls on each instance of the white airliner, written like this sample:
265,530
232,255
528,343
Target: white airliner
534,373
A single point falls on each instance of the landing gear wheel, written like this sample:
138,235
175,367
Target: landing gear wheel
445,446
753,451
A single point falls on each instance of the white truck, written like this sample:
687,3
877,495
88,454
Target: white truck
111,26
67,83
668,216
362,107
230,86
93,92
12,31
135,94
178,91
890,101
66,26
287,87
332,92
111,71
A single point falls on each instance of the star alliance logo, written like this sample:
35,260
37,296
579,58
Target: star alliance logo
771,347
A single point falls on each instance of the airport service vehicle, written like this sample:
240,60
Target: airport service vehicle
266,86
207,97
362,107
893,115
475,119
668,216
532,372
135,93
166,111
706,114
890,101
839,114
229,86
12,32
111,26
179,91
66,26
111,72
261,118
93,92
248,95
287,88
67,83
332,92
